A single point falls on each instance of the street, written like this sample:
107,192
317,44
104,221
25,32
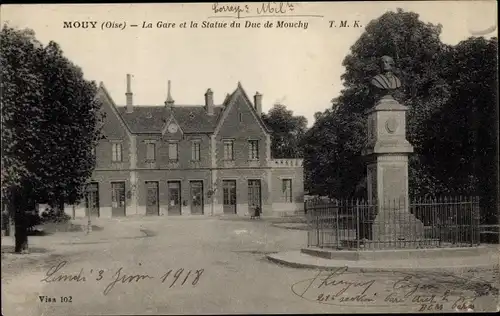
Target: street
210,266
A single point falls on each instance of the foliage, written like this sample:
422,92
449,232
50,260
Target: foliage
50,121
33,219
439,82
287,132
55,215
21,89
50,124
463,156
416,49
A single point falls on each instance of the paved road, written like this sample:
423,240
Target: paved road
224,271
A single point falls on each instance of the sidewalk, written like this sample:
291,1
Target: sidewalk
297,259
111,230
264,218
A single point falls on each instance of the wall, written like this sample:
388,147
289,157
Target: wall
114,130
136,167
104,178
163,176
184,150
241,133
242,176
279,205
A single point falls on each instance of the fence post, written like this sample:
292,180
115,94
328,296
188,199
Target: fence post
476,219
358,235
317,230
308,225
337,232
441,222
471,222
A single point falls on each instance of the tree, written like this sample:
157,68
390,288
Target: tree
463,154
418,52
287,132
50,125
451,92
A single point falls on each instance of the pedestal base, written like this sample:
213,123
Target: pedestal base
397,225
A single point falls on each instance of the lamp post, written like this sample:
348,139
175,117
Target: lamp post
212,193
212,206
89,223
88,199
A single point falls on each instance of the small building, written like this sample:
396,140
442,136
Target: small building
171,160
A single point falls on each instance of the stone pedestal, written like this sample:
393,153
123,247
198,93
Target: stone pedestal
396,225
387,173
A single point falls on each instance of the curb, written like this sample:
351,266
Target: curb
356,268
99,237
277,225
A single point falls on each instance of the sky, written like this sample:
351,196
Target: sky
298,67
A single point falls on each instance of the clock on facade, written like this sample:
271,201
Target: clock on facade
172,128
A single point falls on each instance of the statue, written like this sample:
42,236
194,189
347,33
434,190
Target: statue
387,81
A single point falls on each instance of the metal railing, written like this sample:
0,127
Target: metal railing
395,224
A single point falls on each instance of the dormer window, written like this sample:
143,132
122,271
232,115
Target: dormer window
191,115
149,115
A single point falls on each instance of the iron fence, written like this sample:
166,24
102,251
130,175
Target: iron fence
365,225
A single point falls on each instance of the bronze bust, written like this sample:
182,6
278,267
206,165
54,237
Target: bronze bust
387,80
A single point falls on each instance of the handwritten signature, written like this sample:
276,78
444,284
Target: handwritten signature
55,275
428,292
265,8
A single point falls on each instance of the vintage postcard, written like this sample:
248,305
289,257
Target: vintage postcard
241,158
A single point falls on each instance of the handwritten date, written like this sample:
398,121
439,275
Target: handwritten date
179,277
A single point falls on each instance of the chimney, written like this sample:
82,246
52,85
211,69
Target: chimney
169,102
258,102
209,102
129,95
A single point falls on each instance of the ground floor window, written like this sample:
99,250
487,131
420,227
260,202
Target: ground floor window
118,194
152,196
287,190
254,197
229,196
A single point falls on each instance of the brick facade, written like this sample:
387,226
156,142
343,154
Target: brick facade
201,178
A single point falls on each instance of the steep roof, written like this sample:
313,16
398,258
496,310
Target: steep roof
231,99
191,118
151,119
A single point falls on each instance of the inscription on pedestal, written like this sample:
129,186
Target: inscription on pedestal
394,183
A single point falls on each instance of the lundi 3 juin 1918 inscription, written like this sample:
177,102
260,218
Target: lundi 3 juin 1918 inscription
419,291
180,277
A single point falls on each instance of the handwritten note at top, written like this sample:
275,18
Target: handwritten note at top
264,9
